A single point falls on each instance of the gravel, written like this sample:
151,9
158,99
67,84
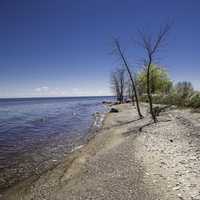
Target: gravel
122,163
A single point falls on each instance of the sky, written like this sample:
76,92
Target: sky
63,47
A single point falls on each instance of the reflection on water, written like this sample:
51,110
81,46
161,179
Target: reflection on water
36,133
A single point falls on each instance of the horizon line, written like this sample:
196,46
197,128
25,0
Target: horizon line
54,97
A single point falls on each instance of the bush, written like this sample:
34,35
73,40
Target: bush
194,100
173,98
144,98
184,89
182,95
170,99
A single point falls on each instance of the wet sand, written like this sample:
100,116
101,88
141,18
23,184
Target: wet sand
120,162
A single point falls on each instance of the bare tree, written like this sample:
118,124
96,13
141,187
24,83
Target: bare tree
118,83
122,56
151,47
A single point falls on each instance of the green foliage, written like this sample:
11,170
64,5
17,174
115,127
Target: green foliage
194,100
160,81
163,92
169,99
174,99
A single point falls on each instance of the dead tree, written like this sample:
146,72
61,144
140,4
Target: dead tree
151,47
121,54
118,84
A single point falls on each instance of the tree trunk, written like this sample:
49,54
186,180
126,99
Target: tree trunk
131,78
133,99
153,114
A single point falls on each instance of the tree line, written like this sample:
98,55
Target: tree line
152,83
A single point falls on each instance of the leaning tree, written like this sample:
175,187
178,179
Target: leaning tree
125,62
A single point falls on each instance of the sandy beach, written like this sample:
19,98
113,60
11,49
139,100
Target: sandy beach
120,162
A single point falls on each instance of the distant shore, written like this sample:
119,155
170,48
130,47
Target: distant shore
123,163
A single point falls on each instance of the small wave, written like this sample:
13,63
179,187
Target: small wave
39,120
76,148
35,127
74,113
99,117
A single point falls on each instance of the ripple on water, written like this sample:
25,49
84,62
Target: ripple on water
36,134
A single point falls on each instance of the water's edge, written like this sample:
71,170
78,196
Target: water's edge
96,126
98,119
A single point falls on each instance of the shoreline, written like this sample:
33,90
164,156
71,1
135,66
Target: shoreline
71,164
121,163
51,163
96,125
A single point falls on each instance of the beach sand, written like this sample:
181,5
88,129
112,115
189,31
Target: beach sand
120,162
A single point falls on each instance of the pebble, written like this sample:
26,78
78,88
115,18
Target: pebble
180,196
176,188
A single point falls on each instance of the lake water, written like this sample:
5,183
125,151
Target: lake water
36,133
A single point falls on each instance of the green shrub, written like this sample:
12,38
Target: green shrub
182,95
194,100
144,98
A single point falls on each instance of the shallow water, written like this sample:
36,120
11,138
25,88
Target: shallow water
36,133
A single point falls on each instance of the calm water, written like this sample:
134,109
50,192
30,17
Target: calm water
36,133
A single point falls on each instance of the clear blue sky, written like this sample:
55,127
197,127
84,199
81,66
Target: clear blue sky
62,47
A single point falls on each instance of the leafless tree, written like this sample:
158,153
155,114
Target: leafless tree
118,83
152,46
124,60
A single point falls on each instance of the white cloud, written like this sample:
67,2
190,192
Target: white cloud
88,92
45,91
42,89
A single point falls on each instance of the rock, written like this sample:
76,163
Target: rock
195,197
176,188
180,196
127,101
163,163
114,110
107,102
